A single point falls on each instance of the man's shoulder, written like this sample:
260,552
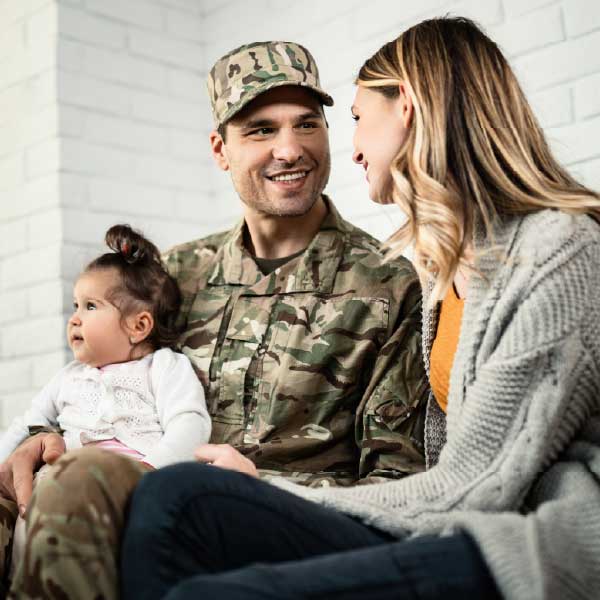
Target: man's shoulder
190,256
209,244
371,255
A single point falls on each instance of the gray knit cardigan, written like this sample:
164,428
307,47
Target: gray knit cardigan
520,467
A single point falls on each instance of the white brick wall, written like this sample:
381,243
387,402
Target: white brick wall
30,326
104,118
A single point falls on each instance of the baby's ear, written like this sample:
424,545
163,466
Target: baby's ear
140,326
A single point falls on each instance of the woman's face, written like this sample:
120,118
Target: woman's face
381,128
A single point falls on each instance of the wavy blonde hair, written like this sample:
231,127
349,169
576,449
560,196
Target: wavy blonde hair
474,149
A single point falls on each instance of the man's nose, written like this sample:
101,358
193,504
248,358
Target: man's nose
287,147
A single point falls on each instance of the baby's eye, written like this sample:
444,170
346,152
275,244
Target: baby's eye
75,306
90,306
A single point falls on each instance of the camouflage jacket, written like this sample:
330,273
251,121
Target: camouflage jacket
315,370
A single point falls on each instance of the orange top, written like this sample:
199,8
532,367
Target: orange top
444,346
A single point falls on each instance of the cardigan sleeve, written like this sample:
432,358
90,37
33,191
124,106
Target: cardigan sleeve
181,409
553,550
530,391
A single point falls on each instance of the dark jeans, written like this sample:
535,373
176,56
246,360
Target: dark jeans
198,531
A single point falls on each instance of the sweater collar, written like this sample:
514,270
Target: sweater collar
490,255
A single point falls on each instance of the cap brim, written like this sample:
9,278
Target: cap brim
325,98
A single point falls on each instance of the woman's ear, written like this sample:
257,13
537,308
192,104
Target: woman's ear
140,326
405,104
217,146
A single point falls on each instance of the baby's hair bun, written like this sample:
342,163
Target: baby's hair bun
131,245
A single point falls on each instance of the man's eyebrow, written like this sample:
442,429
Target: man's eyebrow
313,114
253,124
258,123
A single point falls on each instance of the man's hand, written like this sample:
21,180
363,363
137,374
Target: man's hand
226,457
16,473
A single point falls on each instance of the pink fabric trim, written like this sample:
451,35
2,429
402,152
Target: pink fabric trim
114,445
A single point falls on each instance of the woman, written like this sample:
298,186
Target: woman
508,248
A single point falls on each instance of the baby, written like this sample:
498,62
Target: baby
126,390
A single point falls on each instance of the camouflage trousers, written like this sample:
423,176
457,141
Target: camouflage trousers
74,526
8,517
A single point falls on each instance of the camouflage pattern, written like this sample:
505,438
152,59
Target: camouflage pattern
8,517
314,371
74,527
244,73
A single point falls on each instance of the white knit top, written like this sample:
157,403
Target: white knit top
525,380
154,405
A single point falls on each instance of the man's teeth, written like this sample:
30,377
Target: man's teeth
289,176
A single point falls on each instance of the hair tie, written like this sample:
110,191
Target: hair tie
124,248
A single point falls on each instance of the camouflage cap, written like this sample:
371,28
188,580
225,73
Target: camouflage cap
248,71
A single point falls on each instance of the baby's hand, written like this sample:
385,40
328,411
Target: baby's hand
226,457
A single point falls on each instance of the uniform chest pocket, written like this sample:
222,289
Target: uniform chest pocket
322,347
249,321
245,333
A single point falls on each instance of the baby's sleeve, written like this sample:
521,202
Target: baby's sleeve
181,408
43,411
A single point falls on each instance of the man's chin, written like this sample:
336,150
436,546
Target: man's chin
289,206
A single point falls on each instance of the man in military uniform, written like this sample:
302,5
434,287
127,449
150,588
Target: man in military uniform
306,341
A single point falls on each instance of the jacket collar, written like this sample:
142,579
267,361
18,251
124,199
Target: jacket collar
312,271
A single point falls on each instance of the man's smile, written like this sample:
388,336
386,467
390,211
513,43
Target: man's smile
289,179
289,175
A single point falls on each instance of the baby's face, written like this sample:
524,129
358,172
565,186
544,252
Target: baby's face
95,331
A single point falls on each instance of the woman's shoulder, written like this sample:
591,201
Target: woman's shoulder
544,233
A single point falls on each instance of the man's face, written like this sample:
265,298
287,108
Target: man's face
277,151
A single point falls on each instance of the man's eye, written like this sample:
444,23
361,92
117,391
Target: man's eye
262,131
308,125
90,306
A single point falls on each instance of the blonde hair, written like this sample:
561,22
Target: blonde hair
474,149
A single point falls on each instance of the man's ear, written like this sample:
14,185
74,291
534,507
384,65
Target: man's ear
140,326
217,146
405,104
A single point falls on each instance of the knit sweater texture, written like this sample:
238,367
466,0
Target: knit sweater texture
520,466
